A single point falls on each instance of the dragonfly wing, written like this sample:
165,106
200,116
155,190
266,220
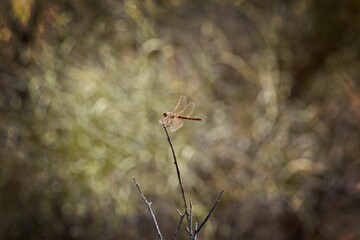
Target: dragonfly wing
181,104
165,121
188,110
176,124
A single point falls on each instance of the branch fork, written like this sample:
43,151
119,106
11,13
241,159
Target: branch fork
191,230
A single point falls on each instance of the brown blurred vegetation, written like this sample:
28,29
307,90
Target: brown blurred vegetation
83,84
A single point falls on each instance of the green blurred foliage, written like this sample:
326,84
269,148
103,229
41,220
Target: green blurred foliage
83,84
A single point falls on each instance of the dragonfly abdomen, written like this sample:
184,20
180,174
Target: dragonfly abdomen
190,118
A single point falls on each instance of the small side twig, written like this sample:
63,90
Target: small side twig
148,204
210,212
179,225
191,216
196,228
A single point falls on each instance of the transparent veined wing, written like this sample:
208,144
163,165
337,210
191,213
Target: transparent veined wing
165,121
176,124
180,104
188,110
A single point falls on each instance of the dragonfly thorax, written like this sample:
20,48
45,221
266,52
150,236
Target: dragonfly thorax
169,114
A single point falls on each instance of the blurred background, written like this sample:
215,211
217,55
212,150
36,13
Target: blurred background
83,84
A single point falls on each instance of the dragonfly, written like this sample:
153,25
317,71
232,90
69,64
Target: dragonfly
182,111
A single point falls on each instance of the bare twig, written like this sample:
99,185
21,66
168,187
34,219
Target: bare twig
196,228
179,177
210,212
180,222
190,224
148,204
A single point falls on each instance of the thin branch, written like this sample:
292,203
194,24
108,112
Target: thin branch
178,174
148,204
207,217
179,225
196,228
190,224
